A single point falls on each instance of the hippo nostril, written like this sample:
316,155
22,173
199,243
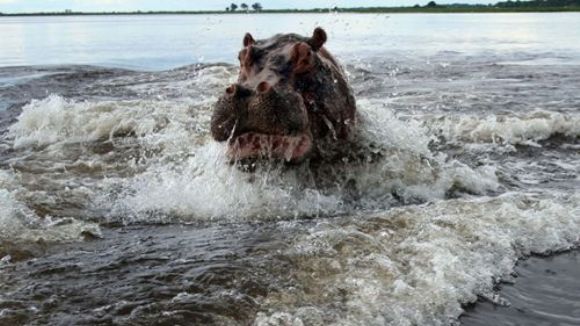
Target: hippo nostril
263,87
231,91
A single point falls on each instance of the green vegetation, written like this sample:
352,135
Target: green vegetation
431,7
539,4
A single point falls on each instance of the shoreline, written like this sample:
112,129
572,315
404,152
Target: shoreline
386,10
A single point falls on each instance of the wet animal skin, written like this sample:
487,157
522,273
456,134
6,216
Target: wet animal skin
291,98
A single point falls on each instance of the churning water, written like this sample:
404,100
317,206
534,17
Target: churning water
117,207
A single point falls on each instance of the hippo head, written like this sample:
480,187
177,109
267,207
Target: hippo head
290,94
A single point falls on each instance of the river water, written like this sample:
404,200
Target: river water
117,207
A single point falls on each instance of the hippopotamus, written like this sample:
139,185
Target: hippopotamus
290,102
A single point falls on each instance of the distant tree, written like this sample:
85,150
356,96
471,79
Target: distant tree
257,6
227,8
509,4
431,4
417,6
233,7
244,6
538,3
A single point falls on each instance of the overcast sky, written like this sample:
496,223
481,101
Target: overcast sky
132,5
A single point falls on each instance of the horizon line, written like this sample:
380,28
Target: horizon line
415,8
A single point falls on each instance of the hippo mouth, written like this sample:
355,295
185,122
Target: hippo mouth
257,145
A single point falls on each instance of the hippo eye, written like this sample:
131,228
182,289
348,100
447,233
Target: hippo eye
286,69
281,65
256,53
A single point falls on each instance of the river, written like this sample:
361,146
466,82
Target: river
117,207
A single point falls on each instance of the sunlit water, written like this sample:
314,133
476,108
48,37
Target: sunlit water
116,207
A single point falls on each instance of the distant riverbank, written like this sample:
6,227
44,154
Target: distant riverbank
373,10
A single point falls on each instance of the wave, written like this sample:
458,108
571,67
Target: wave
505,129
20,226
417,265
202,187
174,171
152,160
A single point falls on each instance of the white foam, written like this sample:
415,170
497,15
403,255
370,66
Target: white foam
56,120
202,186
173,125
181,173
380,124
417,265
525,129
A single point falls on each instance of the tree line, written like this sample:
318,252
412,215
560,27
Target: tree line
538,3
257,7
431,6
511,4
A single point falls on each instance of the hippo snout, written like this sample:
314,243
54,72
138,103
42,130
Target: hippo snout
265,109
237,91
231,106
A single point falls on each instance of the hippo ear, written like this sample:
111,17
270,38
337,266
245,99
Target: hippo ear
302,58
248,40
318,39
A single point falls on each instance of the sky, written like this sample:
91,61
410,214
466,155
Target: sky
15,6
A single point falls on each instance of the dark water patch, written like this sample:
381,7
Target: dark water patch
161,275
19,251
91,82
40,82
560,141
546,291
468,86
